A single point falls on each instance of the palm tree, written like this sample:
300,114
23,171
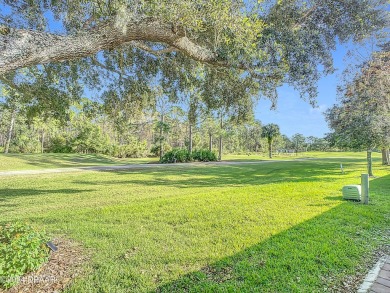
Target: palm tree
270,132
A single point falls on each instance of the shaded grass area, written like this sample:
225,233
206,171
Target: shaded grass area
48,161
275,227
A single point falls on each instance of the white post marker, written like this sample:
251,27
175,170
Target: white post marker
341,167
365,188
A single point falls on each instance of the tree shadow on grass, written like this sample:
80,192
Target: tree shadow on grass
228,175
11,193
314,256
64,160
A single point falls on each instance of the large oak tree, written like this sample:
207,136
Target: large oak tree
130,41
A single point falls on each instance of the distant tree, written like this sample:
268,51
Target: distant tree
362,119
210,125
255,130
310,141
270,132
298,142
319,144
163,106
283,143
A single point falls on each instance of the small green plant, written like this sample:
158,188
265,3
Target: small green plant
22,249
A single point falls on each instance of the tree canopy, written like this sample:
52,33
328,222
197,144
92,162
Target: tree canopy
270,132
124,44
362,118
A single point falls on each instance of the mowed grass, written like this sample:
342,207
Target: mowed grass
267,227
300,155
11,162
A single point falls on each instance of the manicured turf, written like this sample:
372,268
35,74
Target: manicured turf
49,161
270,227
301,155
12,162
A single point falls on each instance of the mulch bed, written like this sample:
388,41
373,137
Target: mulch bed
63,266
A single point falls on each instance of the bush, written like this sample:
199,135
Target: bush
177,156
183,156
22,249
204,156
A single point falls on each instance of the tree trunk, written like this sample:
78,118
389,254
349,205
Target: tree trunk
28,47
42,141
220,149
270,148
161,137
11,127
369,163
385,156
190,139
220,142
210,142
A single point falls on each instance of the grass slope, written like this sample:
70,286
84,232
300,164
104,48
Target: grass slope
292,156
276,227
11,162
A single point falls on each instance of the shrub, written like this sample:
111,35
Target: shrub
204,156
22,249
183,156
177,156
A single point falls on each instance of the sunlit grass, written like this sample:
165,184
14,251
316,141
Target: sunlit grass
42,161
275,227
12,162
291,156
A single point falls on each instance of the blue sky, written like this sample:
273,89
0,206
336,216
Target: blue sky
294,115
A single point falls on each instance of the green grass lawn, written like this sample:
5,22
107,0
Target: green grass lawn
276,227
13,162
292,156
49,161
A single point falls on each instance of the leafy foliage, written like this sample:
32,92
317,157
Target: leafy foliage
135,149
204,156
22,249
270,132
298,142
362,118
273,42
177,156
184,156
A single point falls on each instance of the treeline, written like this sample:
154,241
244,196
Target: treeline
88,128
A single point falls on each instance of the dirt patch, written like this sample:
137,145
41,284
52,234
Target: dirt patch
63,266
218,275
